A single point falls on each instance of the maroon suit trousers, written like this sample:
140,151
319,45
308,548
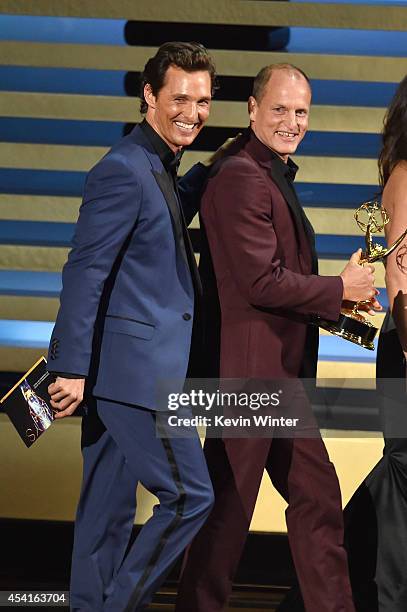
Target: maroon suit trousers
301,471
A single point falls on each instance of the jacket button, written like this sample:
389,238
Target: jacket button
186,316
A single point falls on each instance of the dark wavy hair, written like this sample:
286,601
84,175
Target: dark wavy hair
190,56
394,135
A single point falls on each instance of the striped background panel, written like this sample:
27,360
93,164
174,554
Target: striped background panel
65,98
116,57
231,114
255,12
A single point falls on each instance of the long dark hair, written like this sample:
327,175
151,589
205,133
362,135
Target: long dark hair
394,134
190,56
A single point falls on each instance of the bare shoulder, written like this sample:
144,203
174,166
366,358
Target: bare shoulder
398,179
394,200
400,172
395,192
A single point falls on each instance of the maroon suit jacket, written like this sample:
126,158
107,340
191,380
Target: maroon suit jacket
263,254
261,289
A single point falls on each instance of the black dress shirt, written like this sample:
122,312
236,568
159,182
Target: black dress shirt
171,162
169,159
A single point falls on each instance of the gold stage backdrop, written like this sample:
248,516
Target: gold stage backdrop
43,482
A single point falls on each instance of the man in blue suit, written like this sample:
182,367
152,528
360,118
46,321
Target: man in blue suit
130,293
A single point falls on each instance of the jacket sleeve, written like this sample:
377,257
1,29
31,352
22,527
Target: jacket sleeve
242,209
190,188
107,217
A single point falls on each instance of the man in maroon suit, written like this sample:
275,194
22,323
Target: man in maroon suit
263,252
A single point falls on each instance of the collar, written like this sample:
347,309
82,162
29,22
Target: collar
291,169
169,159
270,158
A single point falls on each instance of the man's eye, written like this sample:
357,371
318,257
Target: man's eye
279,109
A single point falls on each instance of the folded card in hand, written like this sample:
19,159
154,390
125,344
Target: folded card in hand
28,405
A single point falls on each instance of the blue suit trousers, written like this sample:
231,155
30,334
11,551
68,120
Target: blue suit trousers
120,449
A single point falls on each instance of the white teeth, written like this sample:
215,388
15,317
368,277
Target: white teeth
185,126
287,134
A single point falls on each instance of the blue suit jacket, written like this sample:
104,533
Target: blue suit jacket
127,302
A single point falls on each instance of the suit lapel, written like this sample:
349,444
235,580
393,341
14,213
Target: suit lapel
181,235
275,171
309,231
290,197
179,226
301,221
163,182
170,198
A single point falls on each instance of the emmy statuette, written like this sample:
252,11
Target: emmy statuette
352,325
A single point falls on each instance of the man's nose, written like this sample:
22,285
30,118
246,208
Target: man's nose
291,120
190,112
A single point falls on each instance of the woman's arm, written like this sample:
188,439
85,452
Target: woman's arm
395,202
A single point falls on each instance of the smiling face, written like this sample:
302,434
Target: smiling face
280,118
181,107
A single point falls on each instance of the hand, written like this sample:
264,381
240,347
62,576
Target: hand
371,307
358,281
222,151
66,395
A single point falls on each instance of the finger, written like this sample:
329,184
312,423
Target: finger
68,401
65,403
373,304
54,387
67,412
376,304
364,306
56,397
369,297
355,257
55,405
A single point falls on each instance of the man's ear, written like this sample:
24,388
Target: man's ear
252,108
149,96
